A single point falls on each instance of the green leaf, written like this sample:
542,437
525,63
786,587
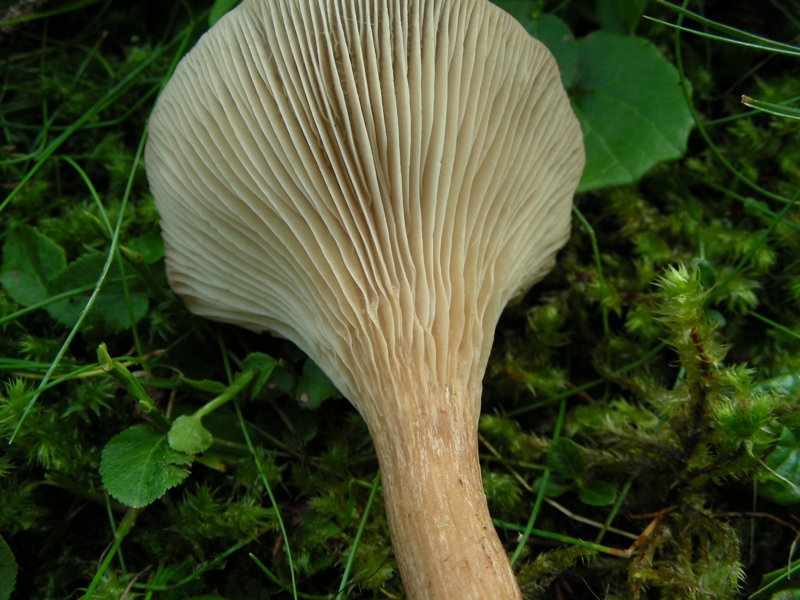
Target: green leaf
787,384
631,108
556,35
565,457
620,16
314,386
148,246
597,493
30,260
524,11
264,365
219,8
188,435
548,29
138,466
111,306
8,570
781,579
785,461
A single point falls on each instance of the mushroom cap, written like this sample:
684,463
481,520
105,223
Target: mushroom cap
373,180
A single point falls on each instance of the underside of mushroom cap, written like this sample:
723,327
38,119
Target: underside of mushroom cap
373,180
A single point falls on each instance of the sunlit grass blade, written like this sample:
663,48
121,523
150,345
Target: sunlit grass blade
272,500
107,100
361,526
736,36
749,254
687,92
782,328
35,16
773,109
123,530
537,505
112,251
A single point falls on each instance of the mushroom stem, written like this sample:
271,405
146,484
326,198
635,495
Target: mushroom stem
442,535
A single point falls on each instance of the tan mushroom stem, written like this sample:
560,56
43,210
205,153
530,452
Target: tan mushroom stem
374,180
442,534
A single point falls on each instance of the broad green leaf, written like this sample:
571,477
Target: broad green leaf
785,461
631,108
784,578
111,306
565,457
314,386
30,260
264,365
148,246
556,35
524,11
620,16
219,8
784,385
138,466
548,29
188,435
597,493
8,570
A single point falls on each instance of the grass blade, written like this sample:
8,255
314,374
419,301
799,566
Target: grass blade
773,109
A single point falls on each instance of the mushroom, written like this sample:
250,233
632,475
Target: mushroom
375,180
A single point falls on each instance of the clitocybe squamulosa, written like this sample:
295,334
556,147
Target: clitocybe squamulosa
375,180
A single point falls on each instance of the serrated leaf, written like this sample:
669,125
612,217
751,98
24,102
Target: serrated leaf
8,570
631,108
138,466
187,434
314,387
785,461
149,247
111,306
597,493
30,260
565,457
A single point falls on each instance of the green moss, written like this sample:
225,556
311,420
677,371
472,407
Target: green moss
674,350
